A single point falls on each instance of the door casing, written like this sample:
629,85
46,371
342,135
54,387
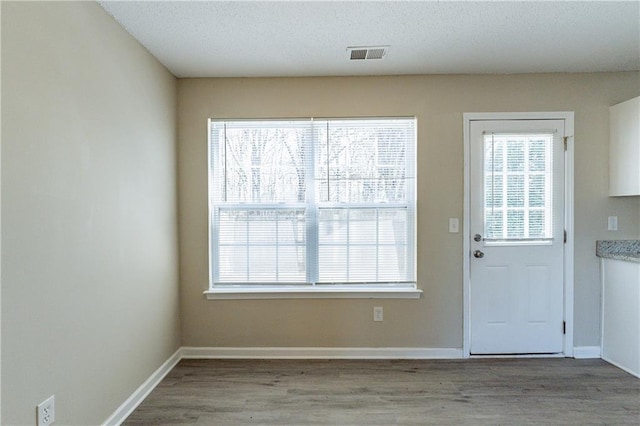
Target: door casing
568,117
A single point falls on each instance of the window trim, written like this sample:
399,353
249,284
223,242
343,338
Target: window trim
309,291
246,291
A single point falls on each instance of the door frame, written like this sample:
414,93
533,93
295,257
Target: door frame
568,117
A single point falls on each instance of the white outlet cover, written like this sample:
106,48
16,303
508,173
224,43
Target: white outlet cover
454,225
378,313
46,412
612,223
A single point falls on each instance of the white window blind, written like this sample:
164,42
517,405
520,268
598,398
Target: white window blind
312,201
518,187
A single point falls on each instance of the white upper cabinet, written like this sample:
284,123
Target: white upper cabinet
624,148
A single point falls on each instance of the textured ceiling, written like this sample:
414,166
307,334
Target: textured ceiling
251,39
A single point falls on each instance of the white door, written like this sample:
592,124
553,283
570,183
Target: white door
517,236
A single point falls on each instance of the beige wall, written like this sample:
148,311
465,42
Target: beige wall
89,229
89,242
435,320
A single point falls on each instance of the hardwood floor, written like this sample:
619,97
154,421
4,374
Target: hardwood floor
385,392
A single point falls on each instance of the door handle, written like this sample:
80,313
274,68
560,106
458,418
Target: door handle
478,254
477,238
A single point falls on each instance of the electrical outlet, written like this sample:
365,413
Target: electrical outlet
378,313
46,412
612,223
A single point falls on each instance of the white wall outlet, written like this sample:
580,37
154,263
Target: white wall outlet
46,412
378,313
612,223
454,225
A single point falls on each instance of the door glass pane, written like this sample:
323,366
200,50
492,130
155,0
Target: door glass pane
517,187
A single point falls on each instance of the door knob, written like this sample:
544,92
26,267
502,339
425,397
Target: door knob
478,254
477,238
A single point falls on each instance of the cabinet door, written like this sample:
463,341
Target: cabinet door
624,148
621,314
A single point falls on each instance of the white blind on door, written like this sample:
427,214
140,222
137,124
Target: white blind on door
518,186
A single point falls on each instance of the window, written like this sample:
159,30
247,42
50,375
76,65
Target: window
312,203
518,190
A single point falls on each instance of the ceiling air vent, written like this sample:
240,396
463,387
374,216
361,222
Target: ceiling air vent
361,53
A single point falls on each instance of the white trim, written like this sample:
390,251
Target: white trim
602,297
1,244
466,243
621,367
568,226
320,353
513,356
313,292
190,352
584,352
312,206
136,398
568,117
479,116
186,352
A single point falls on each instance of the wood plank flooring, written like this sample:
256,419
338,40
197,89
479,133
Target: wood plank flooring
356,392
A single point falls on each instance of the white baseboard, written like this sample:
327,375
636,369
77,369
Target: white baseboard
136,398
321,353
622,367
516,356
156,377
583,352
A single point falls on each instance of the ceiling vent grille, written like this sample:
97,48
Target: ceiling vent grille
362,53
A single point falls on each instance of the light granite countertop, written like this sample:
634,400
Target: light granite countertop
628,250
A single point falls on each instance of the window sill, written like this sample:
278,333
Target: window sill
313,292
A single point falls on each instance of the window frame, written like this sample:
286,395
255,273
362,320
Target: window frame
312,288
